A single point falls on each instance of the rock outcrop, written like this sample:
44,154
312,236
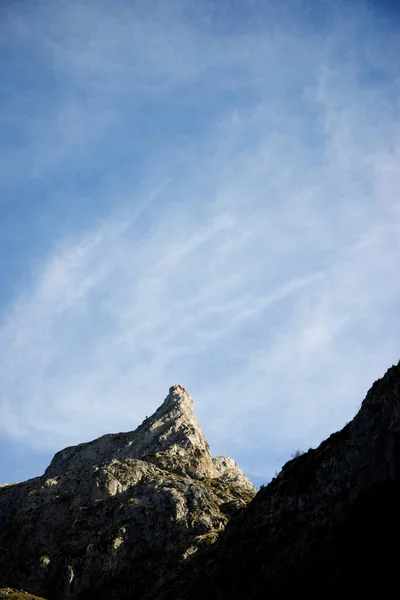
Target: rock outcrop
326,527
13,594
113,518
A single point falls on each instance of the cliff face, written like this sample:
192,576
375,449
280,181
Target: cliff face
326,527
113,518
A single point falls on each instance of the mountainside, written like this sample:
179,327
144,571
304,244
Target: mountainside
114,517
326,527
149,515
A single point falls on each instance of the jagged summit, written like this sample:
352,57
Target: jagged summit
110,517
178,399
171,439
178,395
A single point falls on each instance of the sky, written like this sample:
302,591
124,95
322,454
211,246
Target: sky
196,192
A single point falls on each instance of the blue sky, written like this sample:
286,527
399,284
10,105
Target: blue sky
199,193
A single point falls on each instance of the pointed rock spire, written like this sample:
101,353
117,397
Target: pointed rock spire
171,439
119,514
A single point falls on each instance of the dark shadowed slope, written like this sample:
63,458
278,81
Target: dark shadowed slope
327,527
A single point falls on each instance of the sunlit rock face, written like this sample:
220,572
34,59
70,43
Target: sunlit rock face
116,517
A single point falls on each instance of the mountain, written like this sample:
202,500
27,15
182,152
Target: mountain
327,527
149,515
113,518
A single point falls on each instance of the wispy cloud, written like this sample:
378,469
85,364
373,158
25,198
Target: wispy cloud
245,239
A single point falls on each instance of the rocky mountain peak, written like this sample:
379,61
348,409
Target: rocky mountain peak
171,439
112,518
178,395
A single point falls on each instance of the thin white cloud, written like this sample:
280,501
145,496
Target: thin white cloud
255,262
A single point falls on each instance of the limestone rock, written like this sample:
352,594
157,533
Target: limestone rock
226,470
115,517
170,438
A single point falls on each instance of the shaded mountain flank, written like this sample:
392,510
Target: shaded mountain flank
326,527
149,515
